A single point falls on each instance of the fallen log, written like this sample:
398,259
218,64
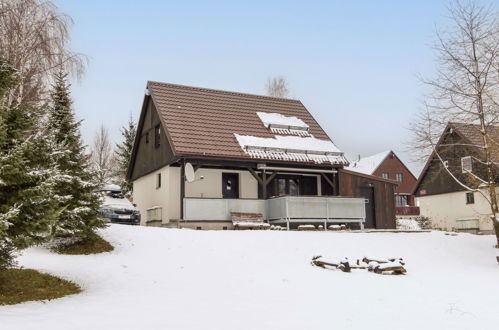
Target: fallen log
344,265
382,261
395,267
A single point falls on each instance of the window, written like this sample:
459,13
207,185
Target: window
293,185
446,163
158,181
470,198
399,177
199,228
224,228
157,135
147,137
400,200
384,175
466,164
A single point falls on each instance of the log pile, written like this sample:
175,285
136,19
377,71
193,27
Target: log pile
392,266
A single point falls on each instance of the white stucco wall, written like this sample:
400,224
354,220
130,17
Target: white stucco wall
447,210
211,185
146,195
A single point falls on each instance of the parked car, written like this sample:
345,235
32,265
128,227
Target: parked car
116,207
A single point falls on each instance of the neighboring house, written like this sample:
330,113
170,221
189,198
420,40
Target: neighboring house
388,165
202,155
448,204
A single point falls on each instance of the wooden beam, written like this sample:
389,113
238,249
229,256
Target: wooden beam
182,189
328,180
264,185
255,175
270,178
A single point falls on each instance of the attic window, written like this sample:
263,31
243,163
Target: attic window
466,164
157,135
281,124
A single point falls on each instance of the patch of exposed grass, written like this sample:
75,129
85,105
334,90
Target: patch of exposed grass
20,285
93,244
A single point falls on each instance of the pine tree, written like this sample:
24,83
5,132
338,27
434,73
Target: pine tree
79,217
123,152
29,206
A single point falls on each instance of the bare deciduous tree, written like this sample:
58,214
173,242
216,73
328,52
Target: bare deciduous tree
277,87
466,90
101,158
34,39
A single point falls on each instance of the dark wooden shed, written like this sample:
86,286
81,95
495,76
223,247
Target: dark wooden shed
379,192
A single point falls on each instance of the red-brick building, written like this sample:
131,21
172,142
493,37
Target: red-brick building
388,165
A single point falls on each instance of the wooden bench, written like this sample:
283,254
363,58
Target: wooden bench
248,221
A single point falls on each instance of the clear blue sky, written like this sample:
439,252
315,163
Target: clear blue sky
354,64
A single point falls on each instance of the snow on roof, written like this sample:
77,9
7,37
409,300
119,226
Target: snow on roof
291,148
368,165
281,124
278,119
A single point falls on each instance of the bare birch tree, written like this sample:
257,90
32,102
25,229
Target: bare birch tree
277,87
34,39
101,157
466,90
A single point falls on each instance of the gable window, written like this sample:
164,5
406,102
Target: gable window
446,163
157,135
466,164
470,198
158,181
384,175
399,177
147,137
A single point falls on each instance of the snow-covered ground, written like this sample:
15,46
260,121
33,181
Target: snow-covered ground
181,279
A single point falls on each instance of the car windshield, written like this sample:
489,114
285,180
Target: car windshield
114,194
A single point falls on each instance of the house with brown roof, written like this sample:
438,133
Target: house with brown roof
206,159
448,204
388,165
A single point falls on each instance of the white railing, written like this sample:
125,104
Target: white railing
286,208
316,209
220,209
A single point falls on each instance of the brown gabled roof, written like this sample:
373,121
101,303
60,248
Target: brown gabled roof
368,176
201,122
469,133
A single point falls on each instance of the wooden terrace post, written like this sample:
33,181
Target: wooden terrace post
264,185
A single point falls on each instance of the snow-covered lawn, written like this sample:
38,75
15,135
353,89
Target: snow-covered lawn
181,279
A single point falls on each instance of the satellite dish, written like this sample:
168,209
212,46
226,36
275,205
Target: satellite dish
189,172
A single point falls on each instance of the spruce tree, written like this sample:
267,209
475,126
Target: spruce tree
123,152
79,218
29,206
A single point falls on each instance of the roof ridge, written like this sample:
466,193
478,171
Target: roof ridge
221,91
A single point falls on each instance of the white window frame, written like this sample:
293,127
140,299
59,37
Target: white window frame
466,164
